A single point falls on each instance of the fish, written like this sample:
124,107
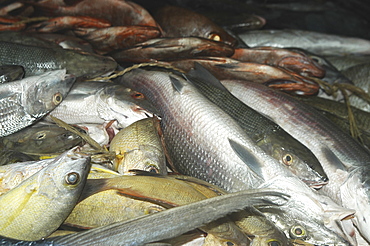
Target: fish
182,22
344,62
343,159
359,75
41,139
117,12
292,60
170,48
265,133
139,146
25,101
330,44
251,221
50,193
100,102
12,174
10,156
10,73
159,226
337,112
68,22
113,38
133,196
37,60
185,143
227,68
193,150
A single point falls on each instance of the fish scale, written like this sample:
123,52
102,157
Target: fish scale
196,143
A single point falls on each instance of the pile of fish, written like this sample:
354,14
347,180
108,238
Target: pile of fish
183,123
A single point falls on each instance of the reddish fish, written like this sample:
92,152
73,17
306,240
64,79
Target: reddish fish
172,48
117,37
69,22
180,22
276,77
291,60
118,12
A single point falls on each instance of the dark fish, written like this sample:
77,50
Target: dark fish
10,73
181,22
41,139
37,60
266,134
172,48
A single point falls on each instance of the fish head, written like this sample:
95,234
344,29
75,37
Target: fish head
212,239
70,172
145,158
295,157
50,90
307,215
270,239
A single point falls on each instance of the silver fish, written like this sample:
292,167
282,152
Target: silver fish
25,101
39,59
10,73
161,225
344,160
315,42
100,102
50,193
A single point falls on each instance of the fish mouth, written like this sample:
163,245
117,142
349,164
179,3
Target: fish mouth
315,184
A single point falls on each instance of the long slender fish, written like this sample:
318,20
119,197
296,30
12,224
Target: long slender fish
204,142
39,59
345,161
25,101
188,119
100,102
266,134
50,193
315,42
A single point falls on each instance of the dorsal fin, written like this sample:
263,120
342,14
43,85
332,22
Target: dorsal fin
201,73
176,84
247,157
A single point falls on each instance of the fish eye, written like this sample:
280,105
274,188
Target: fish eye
57,98
152,169
214,37
40,135
228,243
72,178
297,232
288,159
137,95
273,242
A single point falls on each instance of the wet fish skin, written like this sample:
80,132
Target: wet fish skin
99,102
168,48
343,159
294,60
185,144
138,146
181,22
160,226
38,59
9,156
50,193
41,139
138,195
264,132
360,76
329,44
25,101
10,73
